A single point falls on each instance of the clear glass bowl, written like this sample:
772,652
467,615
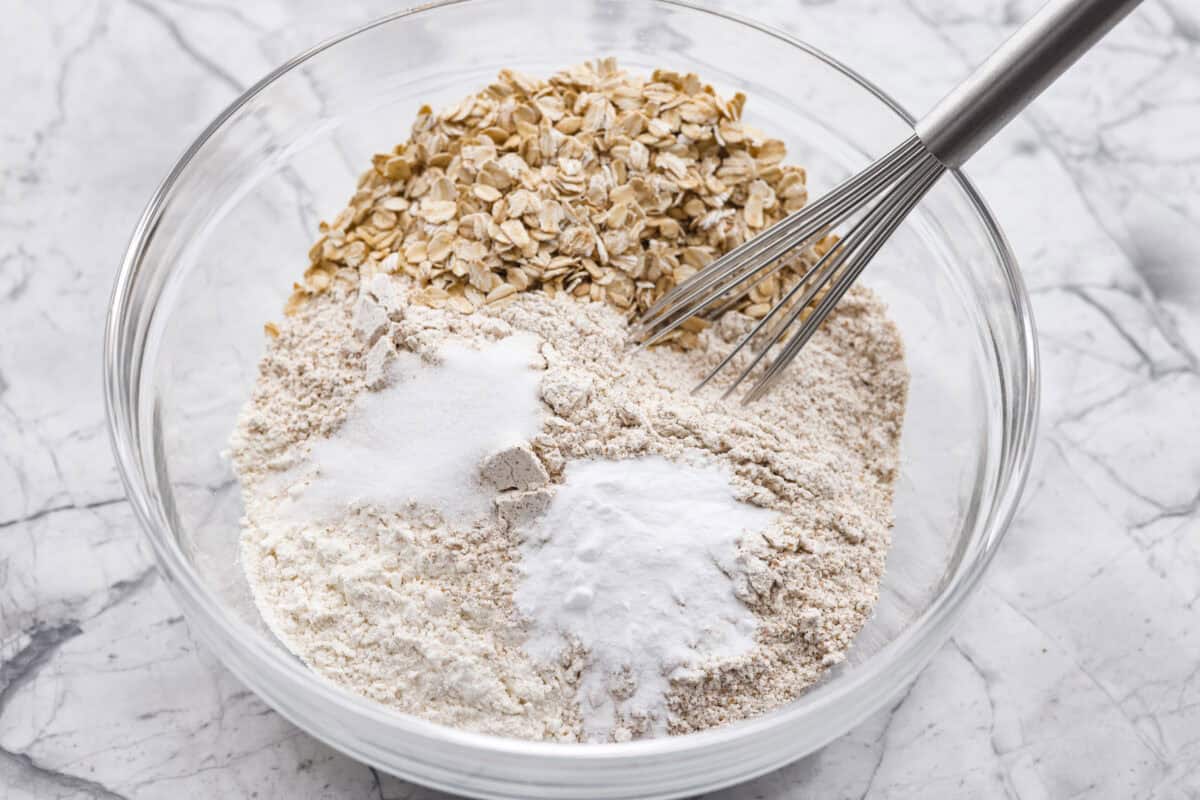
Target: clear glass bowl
227,233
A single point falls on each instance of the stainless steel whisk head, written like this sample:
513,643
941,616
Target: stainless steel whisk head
890,187
876,200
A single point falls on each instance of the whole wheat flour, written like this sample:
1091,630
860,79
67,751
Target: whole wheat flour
418,613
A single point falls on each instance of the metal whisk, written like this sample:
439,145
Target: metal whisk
878,198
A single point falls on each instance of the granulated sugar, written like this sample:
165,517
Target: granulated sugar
420,440
632,561
431,612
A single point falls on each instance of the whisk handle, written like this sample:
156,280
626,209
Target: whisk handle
1029,61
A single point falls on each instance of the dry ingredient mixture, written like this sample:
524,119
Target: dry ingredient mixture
467,499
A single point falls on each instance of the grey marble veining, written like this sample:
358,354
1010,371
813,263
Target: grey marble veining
1076,669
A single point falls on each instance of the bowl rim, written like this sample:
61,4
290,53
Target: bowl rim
931,627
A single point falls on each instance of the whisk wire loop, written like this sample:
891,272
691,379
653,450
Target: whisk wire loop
887,190
739,265
893,208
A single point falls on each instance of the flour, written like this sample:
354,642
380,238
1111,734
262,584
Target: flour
424,611
631,560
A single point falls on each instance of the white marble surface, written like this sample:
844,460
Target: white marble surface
1076,670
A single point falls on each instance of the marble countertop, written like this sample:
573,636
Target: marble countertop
1074,672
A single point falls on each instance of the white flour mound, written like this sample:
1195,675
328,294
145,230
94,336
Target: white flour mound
417,601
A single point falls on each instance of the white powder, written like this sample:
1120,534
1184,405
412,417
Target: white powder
632,561
420,440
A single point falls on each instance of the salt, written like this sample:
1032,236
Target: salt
421,439
632,559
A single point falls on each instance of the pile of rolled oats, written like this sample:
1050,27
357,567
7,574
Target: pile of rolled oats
596,182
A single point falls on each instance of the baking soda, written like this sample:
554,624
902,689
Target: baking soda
632,561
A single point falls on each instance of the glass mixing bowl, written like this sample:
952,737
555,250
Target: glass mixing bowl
221,242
